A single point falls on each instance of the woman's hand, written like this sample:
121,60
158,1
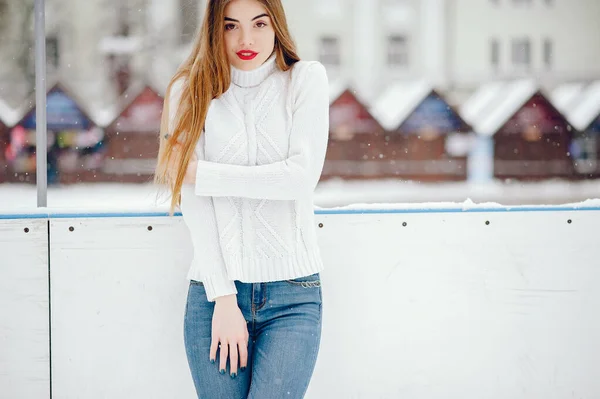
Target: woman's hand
230,329
190,173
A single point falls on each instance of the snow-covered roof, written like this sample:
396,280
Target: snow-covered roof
398,101
120,44
103,116
109,114
494,104
336,88
11,116
587,109
473,109
565,97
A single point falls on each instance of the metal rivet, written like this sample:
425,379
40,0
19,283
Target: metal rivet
404,224
487,222
71,228
26,229
321,225
569,221
149,228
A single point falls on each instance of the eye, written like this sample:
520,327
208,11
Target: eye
261,24
229,26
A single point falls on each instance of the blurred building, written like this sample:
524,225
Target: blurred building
102,46
457,45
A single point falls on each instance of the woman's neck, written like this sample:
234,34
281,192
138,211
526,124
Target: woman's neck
254,77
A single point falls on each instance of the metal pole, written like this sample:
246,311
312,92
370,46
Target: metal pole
40,104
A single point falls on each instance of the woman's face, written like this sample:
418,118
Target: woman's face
249,34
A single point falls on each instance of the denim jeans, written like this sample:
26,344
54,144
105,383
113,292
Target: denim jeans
284,327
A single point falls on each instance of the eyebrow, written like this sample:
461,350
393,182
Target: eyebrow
257,17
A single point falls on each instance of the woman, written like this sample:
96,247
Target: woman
243,141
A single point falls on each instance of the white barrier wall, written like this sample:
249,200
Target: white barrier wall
24,307
418,303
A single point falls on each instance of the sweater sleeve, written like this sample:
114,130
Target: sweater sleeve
207,247
293,178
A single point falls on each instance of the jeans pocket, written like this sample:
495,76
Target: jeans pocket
312,281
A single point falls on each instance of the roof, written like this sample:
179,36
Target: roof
111,113
473,109
565,97
120,44
98,115
494,104
587,109
10,116
398,101
336,89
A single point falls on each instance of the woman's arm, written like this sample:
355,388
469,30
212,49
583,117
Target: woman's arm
214,273
290,179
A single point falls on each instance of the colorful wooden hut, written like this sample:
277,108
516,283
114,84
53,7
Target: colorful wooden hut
423,130
531,138
75,143
354,136
132,137
585,117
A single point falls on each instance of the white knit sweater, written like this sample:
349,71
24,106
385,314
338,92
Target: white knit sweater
251,212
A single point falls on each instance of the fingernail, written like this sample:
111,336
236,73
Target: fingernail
222,371
243,369
212,361
233,375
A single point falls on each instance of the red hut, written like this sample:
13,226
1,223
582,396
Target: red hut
531,138
4,110
427,140
75,143
132,138
585,117
3,145
354,136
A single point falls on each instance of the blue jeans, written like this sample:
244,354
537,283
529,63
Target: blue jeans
284,327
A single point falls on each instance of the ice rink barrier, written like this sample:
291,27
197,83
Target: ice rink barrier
419,301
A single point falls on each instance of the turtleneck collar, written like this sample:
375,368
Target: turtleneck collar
254,77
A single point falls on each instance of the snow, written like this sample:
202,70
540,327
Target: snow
11,116
333,194
401,194
472,109
120,44
505,104
336,88
398,101
588,108
565,97
103,116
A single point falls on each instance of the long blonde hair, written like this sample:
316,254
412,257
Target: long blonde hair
206,75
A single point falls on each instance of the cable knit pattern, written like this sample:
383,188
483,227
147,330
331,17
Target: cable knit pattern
251,211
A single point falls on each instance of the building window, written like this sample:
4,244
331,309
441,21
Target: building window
548,52
123,20
521,52
52,52
329,51
495,53
189,19
397,51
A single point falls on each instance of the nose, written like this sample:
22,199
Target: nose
246,39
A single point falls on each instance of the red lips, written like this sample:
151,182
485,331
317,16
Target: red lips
246,55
